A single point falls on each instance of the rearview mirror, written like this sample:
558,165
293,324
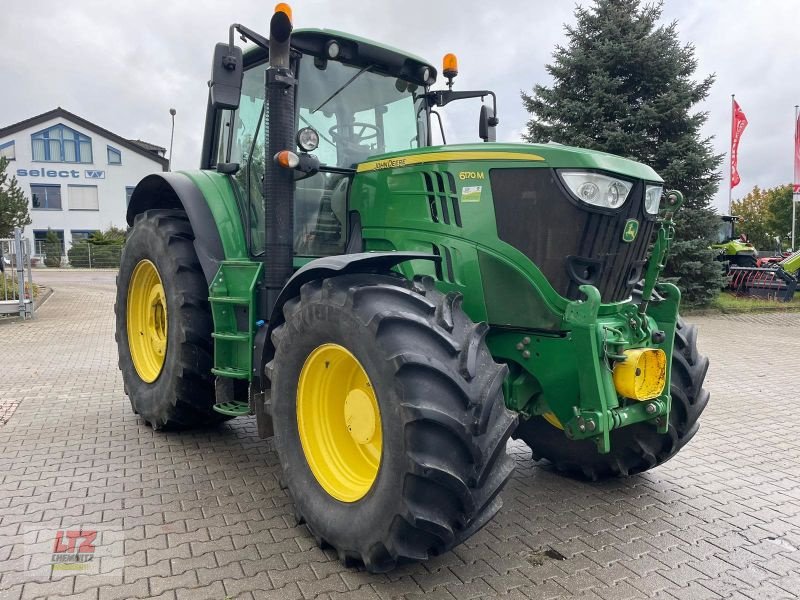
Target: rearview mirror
487,124
226,77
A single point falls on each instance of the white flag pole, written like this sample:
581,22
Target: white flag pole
730,166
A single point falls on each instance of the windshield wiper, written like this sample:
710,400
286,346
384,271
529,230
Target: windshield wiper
348,82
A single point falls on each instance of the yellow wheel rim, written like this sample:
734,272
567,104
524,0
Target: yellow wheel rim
147,321
551,418
339,422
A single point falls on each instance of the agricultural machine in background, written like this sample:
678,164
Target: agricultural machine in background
734,249
774,277
393,311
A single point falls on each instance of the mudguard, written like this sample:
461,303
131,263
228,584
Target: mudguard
328,266
177,191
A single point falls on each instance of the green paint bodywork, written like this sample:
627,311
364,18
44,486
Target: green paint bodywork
226,209
560,353
734,247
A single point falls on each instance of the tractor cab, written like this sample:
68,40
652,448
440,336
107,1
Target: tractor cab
734,248
354,99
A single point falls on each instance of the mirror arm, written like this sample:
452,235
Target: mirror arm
247,34
444,97
441,126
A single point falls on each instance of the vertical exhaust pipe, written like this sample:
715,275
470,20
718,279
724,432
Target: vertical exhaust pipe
278,185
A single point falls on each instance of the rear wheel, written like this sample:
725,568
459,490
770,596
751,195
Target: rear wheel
163,327
389,417
638,447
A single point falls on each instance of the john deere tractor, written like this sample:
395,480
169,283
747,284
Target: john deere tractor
393,311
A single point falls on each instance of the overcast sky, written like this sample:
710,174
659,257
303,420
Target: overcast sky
123,64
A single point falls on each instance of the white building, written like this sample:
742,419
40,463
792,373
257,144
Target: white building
78,176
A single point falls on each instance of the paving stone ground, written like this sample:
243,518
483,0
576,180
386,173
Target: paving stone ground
201,514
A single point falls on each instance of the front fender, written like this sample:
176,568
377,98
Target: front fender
179,192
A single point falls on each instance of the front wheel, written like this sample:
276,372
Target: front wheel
635,448
389,417
164,324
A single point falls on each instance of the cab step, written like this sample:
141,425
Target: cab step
231,372
233,409
232,299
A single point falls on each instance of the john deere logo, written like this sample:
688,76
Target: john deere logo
630,231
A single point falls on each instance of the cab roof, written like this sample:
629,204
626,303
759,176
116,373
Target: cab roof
355,50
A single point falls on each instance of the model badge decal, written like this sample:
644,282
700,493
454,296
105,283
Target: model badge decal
471,193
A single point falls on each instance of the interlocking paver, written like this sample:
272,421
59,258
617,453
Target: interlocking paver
201,514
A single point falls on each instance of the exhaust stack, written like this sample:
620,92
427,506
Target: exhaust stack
278,185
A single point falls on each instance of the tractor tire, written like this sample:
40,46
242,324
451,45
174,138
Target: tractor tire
636,448
390,422
162,295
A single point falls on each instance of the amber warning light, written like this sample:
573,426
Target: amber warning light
285,9
450,68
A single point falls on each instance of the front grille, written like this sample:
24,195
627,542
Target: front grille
571,243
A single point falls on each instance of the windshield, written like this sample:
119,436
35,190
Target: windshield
358,112
724,231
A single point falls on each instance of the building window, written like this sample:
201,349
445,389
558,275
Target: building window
46,197
7,150
83,197
61,144
128,193
81,235
114,156
40,238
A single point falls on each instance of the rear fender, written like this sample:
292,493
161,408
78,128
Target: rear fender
179,192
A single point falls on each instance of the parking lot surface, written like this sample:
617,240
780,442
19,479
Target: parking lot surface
202,514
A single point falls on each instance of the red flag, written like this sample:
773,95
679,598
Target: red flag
737,127
796,186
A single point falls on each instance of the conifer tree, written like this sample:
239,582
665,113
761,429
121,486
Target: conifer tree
13,203
625,84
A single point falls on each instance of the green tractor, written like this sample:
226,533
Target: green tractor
735,250
391,311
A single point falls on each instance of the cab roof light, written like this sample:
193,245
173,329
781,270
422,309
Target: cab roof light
450,68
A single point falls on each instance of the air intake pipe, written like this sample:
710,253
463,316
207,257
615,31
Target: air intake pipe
278,184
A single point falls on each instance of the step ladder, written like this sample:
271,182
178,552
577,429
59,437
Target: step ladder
232,299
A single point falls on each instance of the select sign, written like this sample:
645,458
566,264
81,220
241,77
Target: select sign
73,173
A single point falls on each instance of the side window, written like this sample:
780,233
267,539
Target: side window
242,139
320,214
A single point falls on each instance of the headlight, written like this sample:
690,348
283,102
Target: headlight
596,189
307,139
652,198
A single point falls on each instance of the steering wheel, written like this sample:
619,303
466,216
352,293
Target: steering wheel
361,135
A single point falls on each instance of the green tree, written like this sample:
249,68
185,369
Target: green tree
764,214
624,84
53,249
113,236
13,203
